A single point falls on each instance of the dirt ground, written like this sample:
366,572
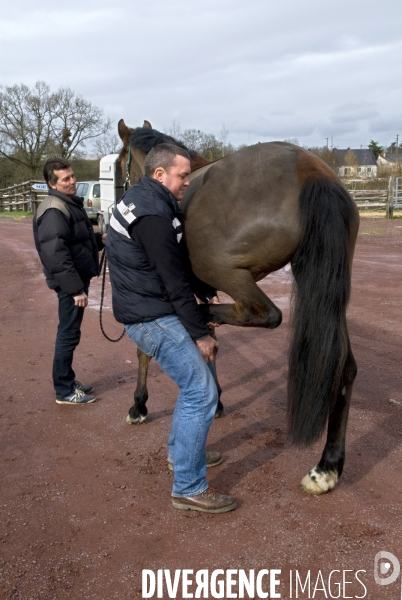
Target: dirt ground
85,498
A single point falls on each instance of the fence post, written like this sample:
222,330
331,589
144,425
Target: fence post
390,199
34,201
25,201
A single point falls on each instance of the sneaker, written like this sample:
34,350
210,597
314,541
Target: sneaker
213,459
83,388
76,397
209,501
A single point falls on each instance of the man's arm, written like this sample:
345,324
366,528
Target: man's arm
202,290
54,235
157,238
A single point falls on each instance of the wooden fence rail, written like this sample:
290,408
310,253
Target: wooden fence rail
28,195
370,198
383,198
24,196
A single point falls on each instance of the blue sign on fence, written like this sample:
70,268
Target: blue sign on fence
39,186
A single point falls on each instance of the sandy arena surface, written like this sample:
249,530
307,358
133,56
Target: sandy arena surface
85,498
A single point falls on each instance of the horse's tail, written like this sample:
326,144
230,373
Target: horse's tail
321,269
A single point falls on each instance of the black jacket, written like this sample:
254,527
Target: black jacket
65,240
149,271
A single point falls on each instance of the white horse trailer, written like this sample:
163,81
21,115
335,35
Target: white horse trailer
111,188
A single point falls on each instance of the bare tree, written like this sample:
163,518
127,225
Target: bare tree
351,162
75,122
174,130
107,144
224,139
26,117
34,123
326,155
293,141
205,144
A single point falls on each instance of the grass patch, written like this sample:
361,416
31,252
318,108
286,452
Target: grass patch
15,215
371,214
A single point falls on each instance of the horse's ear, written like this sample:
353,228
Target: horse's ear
147,124
124,132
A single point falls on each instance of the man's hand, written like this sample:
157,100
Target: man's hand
81,300
104,238
206,346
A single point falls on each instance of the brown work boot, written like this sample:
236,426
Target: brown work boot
209,501
213,459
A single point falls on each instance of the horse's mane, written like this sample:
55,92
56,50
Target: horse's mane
145,138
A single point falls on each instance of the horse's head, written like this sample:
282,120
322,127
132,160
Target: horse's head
133,170
136,145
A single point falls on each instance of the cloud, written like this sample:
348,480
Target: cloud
266,70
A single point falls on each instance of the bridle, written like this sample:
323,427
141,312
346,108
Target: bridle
127,182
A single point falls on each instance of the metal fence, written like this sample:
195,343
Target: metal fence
398,193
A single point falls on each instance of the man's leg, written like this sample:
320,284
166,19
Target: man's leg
67,339
169,342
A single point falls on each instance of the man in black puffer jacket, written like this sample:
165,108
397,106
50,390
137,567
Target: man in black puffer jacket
68,249
153,295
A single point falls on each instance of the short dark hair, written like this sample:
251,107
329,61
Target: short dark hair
54,164
163,156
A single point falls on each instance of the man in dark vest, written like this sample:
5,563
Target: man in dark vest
153,295
68,249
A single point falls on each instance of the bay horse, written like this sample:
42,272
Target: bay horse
245,216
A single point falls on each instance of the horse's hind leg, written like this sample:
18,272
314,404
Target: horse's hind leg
138,412
324,476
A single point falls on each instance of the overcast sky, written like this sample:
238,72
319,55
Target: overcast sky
266,70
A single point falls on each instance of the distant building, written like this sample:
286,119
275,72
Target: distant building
353,162
392,162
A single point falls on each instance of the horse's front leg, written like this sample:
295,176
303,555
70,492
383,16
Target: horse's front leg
251,307
212,367
324,476
138,412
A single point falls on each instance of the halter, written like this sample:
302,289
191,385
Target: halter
127,182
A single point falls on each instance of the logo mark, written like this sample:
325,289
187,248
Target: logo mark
386,568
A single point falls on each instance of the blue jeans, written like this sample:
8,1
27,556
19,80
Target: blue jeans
167,340
67,339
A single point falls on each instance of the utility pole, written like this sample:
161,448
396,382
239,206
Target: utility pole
397,141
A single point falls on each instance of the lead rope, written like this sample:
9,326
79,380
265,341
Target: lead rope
103,264
103,261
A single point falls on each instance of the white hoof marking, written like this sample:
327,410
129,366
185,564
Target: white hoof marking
138,421
318,483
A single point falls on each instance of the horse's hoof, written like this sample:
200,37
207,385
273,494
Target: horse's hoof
136,420
319,482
